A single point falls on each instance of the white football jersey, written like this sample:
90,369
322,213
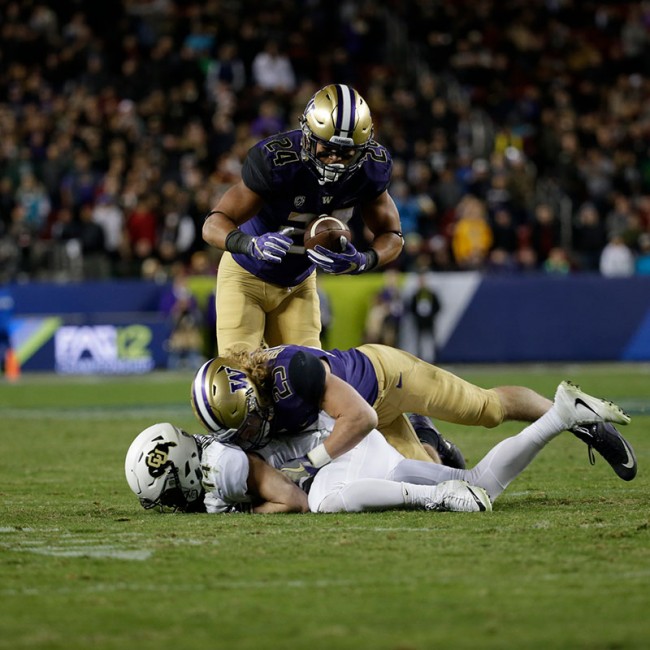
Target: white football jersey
225,476
278,452
225,468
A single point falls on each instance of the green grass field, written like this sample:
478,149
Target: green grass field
562,562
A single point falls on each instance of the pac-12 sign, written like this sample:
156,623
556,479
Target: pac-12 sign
103,349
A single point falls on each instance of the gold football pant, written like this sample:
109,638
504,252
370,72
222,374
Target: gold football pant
251,312
409,385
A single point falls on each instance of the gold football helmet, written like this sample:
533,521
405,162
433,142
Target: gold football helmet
338,119
227,403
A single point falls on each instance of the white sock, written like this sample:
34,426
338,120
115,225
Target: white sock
417,496
501,465
504,462
375,494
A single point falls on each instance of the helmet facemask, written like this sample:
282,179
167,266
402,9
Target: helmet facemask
254,431
172,497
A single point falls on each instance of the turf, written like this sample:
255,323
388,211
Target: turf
562,562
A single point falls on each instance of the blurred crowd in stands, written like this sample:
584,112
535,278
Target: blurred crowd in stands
520,130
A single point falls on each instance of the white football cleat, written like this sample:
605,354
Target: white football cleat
459,496
576,407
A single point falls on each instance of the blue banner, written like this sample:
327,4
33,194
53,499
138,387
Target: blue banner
116,327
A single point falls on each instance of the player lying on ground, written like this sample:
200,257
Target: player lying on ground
253,397
167,467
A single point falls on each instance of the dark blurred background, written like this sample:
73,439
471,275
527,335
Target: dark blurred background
520,129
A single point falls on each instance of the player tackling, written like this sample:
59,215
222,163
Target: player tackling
166,467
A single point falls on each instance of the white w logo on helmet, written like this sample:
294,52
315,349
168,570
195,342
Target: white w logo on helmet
237,380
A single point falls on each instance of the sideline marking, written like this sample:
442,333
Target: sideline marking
80,545
103,551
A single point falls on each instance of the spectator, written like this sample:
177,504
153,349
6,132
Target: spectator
80,184
545,231
618,217
472,236
142,229
31,195
589,237
269,119
500,262
642,264
424,305
185,342
22,253
7,203
447,190
407,204
526,260
616,260
93,248
557,262
109,216
521,178
504,230
226,69
177,232
384,318
533,107
272,69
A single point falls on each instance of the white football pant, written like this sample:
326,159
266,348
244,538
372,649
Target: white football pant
372,475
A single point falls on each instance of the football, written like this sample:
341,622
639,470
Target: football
326,231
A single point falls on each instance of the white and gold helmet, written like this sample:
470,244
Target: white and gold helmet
338,118
163,469
227,403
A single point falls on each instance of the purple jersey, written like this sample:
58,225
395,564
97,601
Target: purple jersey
293,197
298,387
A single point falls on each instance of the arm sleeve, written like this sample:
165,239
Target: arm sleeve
307,377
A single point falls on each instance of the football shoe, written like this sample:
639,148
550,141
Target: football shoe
458,496
590,419
611,445
450,454
575,407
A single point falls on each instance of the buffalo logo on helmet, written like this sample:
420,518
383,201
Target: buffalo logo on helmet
158,458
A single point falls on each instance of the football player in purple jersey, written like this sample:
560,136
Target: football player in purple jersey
250,398
266,282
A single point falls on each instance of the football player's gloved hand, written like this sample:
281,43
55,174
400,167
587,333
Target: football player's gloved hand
244,508
216,505
349,261
269,247
300,471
